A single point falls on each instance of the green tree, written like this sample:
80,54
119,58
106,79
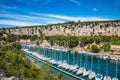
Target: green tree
16,45
34,37
83,41
94,49
73,41
106,47
97,39
60,76
14,63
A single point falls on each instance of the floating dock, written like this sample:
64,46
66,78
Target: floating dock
55,67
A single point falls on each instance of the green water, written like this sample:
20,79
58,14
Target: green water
55,71
75,58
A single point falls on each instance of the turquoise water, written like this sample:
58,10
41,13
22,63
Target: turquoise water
55,71
81,59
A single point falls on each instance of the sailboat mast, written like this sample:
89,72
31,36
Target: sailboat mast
43,52
91,61
77,59
116,68
61,55
107,67
80,59
74,57
85,60
68,58
98,65
52,54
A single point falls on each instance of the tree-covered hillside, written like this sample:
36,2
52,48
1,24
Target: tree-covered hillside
14,63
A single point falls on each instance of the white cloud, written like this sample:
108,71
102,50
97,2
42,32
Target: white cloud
9,7
40,18
76,2
76,18
70,18
18,23
94,9
18,19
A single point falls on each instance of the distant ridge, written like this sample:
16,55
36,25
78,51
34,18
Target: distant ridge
89,28
6,26
14,26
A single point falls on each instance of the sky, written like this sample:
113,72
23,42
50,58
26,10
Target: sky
42,12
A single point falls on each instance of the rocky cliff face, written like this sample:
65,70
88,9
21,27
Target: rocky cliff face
75,29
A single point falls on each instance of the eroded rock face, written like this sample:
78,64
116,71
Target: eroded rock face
77,29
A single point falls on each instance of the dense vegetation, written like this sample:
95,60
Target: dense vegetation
102,42
73,41
14,63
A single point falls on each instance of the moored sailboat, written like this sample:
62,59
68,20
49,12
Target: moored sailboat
98,76
107,77
91,73
81,69
73,66
115,78
85,73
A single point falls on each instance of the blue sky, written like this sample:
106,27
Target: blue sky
38,12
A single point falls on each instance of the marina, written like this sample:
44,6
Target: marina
37,60
76,64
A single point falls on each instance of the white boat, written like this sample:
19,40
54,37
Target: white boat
63,64
99,77
59,62
105,57
66,66
75,70
80,71
85,73
73,67
60,65
44,58
48,59
52,61
91,75
115,78
107,78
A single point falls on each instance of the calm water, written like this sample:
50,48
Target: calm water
55,71
81,59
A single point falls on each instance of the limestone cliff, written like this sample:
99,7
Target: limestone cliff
107,28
